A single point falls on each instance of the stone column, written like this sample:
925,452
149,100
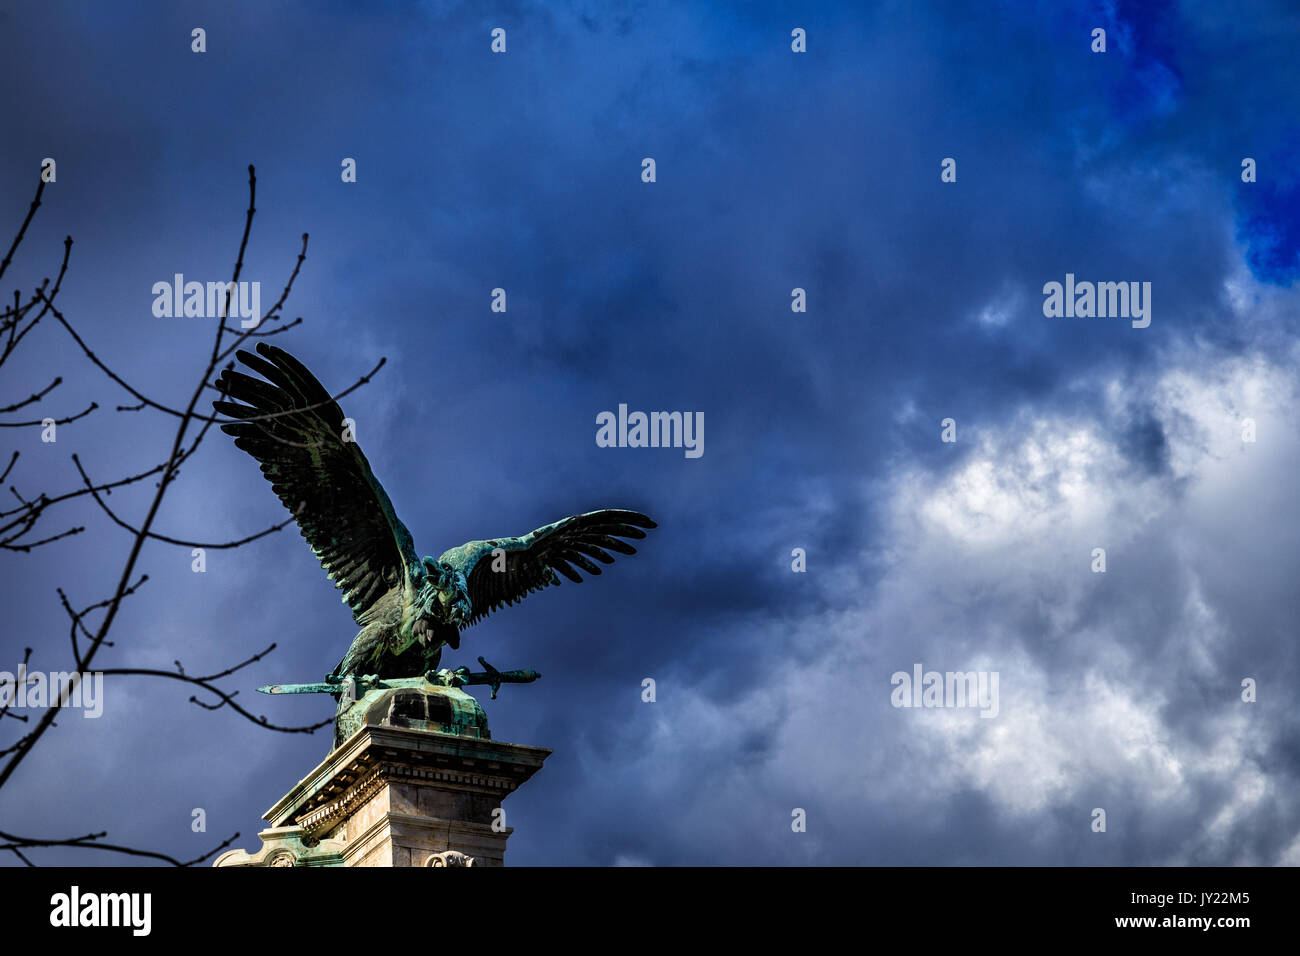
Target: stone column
418,783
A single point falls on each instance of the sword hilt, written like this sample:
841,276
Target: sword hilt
489,676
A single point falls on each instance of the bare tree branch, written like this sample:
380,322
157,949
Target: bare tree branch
34,397
22,231
18,524
90,488
90,842
55,421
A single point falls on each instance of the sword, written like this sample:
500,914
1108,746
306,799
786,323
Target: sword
353,687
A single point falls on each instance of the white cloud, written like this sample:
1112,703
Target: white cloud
988,568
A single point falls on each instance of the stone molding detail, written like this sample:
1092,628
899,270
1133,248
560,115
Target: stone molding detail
286,846
449,858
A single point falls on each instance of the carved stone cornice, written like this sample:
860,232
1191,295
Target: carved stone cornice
394,795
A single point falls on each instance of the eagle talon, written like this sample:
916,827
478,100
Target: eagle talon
448,678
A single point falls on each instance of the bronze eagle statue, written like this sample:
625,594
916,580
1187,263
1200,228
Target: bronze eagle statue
408,607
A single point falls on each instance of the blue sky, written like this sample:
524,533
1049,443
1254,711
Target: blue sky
775,170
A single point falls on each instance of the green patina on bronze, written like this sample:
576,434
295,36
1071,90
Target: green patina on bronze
408,607
357,697
414,703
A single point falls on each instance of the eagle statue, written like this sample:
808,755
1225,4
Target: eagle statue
408,607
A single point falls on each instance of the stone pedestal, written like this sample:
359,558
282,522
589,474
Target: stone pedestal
419,783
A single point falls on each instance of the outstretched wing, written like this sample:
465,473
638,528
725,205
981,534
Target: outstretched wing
295,430
527,564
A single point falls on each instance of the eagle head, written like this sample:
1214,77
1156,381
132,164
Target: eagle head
453,591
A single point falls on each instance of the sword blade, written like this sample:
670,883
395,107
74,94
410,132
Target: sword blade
321,688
